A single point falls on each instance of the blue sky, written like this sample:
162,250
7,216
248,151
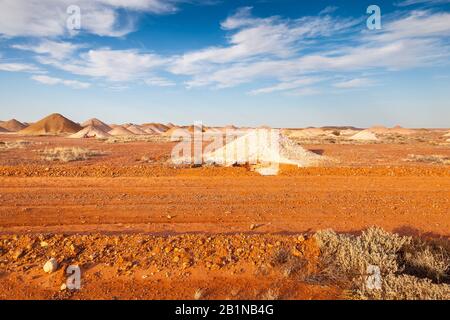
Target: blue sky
284,63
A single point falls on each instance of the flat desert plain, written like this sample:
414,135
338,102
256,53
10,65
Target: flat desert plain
140,227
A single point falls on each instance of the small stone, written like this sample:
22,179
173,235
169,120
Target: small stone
44,244
51,265
198,294
19,253
63,287
253,226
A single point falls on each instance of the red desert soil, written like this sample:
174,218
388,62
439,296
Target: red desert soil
148,267
118,202
225,204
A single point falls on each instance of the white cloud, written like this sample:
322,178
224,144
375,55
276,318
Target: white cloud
256,37
54,81
287,85
112,65
18,67
47,18
303,92
328,10
56,50
417,24
354,83
291,53
159,82
406,3
411,41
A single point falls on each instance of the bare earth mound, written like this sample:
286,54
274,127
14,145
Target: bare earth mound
97,124
256,147
135,129
364,135
90,132
12,125
173,130
156,127
120,131
52,125
378,130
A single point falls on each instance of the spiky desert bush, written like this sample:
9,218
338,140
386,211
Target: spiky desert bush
409,269
64,154
351,255
427,260
434,159
137,138
18,144
406,287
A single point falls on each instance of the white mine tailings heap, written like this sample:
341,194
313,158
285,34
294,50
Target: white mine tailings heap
262,146
364,135
91,132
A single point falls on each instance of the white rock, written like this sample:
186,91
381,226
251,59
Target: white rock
51,265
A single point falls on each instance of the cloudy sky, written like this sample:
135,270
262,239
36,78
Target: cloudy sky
285,63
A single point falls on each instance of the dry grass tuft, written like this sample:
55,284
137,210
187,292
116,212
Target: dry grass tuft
19,144
137,138
271,295
408,267
406,287
199,293
434,159
280,257
352,255
64,154
427,260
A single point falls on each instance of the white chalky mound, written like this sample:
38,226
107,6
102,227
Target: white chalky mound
258,147
90,132
364,135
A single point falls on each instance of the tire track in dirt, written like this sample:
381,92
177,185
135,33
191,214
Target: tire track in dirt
225,204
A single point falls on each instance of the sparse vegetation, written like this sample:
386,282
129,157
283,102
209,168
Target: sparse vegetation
137,138
271,295
65,154
434,159
408,268
289,264
19,144
427,260
406,287
199,293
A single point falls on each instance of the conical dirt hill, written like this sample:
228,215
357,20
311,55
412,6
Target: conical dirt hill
94,122
120,131
52,125
136,129
13,125
156,127
90,132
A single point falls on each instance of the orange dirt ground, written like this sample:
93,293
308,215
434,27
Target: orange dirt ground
142,211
